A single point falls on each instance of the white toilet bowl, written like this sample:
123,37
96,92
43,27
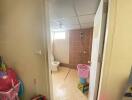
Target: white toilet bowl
55,64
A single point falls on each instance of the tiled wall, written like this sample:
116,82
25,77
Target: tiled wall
80,48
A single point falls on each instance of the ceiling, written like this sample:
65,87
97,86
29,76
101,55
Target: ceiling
72,14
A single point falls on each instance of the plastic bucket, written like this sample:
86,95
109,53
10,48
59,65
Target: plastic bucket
82,80
83,70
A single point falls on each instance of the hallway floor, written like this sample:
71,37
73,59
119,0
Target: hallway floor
65,86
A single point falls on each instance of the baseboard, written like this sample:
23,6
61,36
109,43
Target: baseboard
67,65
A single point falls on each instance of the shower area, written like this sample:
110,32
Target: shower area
80,43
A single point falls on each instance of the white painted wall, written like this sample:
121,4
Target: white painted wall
61,49
118,51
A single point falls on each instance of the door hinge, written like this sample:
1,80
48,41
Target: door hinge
100,58
105,7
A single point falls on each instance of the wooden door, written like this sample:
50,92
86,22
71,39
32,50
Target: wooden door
80,44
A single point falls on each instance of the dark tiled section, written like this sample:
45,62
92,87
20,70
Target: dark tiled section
80,49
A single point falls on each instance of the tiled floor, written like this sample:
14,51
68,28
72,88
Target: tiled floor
65,88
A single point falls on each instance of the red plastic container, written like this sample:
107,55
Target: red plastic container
12,94
8,79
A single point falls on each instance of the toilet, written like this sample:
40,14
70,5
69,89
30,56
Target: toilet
55,64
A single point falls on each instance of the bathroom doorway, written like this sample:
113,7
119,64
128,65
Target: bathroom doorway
70,48
77,34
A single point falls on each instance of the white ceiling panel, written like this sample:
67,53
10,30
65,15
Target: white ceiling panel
87,25
66,20
68,14
86,6
70,27
70,21
62,8
65,27
86,19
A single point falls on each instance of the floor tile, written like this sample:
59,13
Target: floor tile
65,86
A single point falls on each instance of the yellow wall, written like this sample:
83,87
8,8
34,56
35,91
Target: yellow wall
118,50
20,38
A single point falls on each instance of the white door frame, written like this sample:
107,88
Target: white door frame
47,48
110,30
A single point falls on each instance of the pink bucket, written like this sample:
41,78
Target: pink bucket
83,70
